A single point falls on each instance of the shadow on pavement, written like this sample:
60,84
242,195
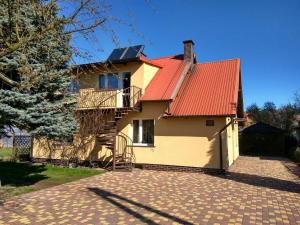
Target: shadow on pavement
262,181
110,197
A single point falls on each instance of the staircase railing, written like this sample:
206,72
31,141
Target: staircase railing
119,98
128,153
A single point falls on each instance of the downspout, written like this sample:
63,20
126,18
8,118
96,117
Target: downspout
220,140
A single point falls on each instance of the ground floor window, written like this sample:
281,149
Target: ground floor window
143,132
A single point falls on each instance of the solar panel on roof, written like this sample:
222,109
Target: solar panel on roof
133,52
116,54
126,53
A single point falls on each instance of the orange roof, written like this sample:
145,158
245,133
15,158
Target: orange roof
149,61
165,80
211,88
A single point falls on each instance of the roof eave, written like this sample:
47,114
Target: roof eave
193,116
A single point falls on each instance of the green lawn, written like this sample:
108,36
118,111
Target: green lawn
5,153
18,178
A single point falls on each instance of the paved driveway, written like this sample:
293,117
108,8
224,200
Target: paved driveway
256,191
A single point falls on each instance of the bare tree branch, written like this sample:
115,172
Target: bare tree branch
8,80
89,28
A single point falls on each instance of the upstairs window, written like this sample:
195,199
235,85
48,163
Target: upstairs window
102,81
109,81
143,132
112,81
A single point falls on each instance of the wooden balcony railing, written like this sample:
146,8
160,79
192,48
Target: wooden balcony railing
91,98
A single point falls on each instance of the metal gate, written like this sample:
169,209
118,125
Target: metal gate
22,145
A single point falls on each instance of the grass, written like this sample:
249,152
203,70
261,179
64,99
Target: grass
19,178
5,153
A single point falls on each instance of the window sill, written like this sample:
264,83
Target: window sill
142,145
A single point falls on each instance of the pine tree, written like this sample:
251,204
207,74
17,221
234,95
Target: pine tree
40,102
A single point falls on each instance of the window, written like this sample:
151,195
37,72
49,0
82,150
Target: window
112,81
143,132
108,81
136,131
148,131
102,81
210,123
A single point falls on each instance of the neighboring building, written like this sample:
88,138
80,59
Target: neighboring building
248,119
171,112
296,126
262,139
7,137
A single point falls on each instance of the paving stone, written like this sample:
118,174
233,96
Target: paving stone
254,191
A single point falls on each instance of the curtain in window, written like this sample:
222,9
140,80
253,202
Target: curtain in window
109,81
112,81
148,131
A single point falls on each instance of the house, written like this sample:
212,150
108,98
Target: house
262,139
170,112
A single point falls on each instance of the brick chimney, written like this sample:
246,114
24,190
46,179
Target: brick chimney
188,51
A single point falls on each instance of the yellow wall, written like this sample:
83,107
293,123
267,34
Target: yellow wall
236,141
231,142
43,148
177,141
149,72
141,74
90,96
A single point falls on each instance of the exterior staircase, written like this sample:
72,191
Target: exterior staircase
108,135
118,142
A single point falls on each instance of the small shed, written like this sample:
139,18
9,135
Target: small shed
262,139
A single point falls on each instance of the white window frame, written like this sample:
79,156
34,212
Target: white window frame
139,143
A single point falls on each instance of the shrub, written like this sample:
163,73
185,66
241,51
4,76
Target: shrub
297,154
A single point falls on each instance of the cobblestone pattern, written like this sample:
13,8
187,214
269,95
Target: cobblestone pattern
254,191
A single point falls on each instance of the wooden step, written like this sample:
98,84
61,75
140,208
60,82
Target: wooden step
106,134
105,140
109,129
108,126
110,122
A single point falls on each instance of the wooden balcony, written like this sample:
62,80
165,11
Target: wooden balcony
92,98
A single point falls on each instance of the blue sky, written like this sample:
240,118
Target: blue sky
264,34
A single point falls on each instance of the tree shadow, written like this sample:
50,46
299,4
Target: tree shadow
261,181
110,197
20,174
